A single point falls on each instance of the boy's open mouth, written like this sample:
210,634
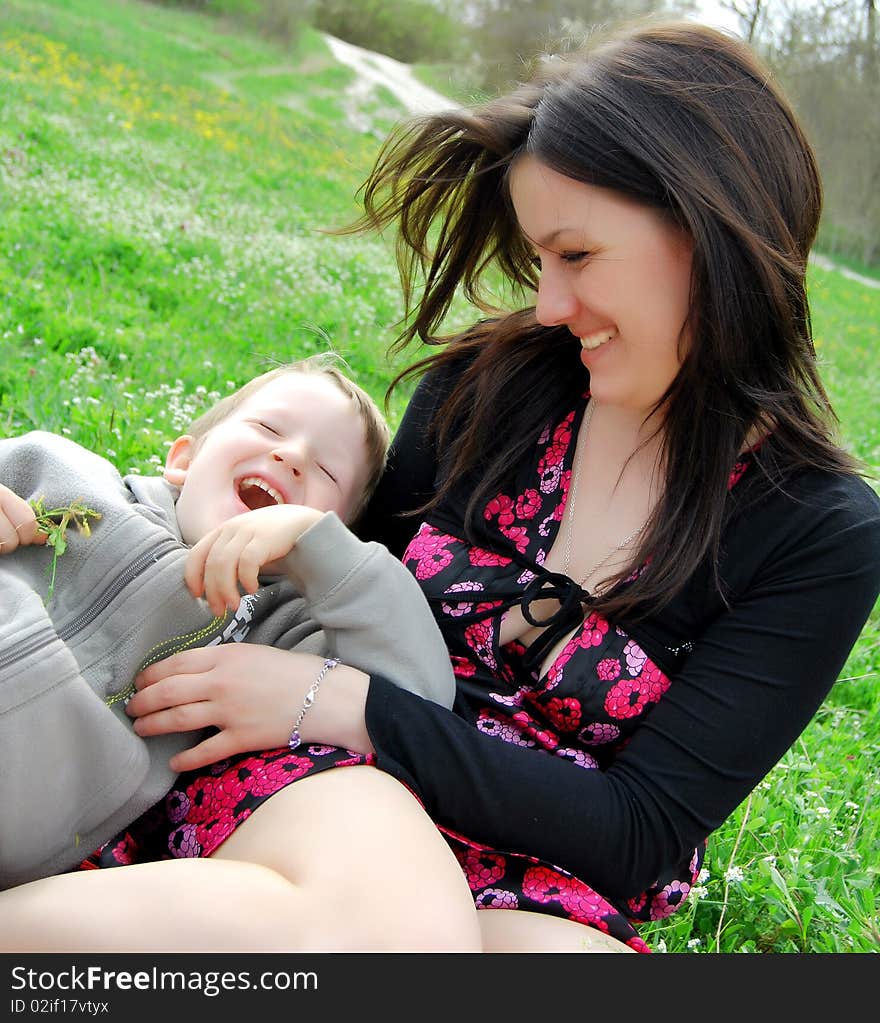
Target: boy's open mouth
257,493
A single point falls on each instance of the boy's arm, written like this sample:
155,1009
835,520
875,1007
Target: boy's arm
372,610
239,550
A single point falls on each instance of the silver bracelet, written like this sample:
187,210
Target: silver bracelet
295,738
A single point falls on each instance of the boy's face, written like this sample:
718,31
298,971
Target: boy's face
297,440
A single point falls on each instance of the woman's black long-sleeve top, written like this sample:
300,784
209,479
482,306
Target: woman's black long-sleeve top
802,572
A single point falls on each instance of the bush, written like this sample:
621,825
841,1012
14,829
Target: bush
408,30
277,19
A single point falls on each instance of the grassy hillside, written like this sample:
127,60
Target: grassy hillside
164,186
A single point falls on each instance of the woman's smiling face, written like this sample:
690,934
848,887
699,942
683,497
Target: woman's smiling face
615,272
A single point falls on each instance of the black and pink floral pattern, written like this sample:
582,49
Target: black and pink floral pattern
204,808
584,707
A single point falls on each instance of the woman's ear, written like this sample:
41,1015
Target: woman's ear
178,460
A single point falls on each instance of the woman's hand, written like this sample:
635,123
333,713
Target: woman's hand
235,552
18,523
252,694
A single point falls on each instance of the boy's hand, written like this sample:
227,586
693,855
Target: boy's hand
236,551
18,523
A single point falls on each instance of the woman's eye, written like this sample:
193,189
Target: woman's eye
268,426
327,472
573,257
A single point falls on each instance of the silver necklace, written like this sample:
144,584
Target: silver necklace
569,511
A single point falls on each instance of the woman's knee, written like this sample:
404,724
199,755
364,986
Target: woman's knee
367,866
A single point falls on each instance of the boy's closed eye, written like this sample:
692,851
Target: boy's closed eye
266,426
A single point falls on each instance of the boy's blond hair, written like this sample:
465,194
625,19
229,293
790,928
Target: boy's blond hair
376,431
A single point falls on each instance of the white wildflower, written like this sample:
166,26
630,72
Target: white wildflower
733,875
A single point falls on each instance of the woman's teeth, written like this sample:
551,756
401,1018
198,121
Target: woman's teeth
601,337
255,481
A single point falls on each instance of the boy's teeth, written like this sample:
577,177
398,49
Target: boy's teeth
592,341
255,481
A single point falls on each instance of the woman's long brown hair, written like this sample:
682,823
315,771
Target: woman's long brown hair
681,118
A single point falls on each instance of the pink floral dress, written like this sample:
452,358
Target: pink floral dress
582,708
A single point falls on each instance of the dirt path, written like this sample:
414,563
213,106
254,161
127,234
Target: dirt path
377,69
828,264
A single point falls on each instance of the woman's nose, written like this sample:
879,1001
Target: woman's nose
556,302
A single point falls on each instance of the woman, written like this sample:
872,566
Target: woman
649,556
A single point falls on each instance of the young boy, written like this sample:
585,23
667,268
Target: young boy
256,493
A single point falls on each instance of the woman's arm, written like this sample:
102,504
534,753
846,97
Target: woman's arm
252,694
753,682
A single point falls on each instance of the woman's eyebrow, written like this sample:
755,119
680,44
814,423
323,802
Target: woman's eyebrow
548,240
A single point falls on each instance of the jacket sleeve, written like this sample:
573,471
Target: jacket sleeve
70,765
756,677
373,612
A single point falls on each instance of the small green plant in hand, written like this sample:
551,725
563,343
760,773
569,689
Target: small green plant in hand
53,523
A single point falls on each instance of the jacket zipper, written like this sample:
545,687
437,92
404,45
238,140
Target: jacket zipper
117,586
131,572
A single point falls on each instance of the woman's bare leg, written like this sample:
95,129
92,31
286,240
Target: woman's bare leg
345,859
378,872
517,930
153,907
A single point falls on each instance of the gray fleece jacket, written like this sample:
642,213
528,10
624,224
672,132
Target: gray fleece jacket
72,770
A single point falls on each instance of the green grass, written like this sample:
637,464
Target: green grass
164,185
454,80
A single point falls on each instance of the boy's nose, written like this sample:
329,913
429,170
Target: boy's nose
556,302
291,457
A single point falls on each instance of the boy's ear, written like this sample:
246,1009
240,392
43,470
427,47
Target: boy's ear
178,460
